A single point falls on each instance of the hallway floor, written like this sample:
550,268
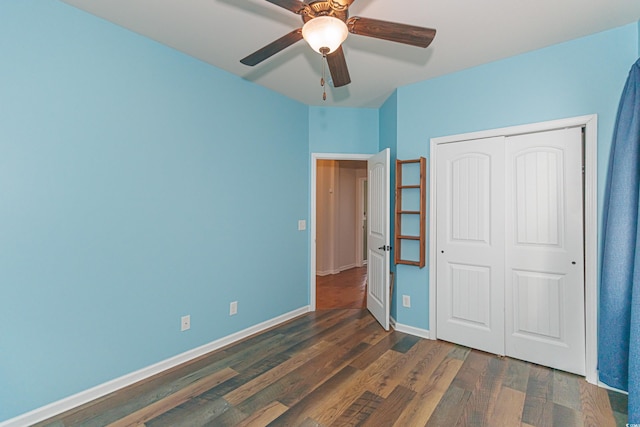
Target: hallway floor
347,289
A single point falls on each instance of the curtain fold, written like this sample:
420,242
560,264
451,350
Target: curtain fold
619,316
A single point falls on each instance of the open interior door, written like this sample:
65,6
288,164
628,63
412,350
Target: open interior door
378,298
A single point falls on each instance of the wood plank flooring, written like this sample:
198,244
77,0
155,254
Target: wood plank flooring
340,368
346,289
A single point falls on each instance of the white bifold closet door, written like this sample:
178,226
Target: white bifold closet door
470,243
510,261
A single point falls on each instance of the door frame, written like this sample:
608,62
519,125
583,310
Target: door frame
360,232
312,226
590,124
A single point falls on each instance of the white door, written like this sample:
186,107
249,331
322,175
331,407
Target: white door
378,237
510,261
470,243
544,250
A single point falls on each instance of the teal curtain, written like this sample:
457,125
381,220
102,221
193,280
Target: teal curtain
619,317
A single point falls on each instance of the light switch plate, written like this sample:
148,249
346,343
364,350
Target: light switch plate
302,225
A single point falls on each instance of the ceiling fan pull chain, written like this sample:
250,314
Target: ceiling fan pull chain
324,61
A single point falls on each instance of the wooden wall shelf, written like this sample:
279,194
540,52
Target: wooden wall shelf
401,214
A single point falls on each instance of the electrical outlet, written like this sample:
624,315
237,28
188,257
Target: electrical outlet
302,225
185,322
233,308
406,301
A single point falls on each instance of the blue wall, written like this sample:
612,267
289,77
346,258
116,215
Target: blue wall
137,185
581,77
343,130
388,117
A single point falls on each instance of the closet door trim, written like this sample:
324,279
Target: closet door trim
589,124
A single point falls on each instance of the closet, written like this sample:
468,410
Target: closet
510,246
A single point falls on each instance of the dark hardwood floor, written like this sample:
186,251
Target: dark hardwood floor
346,289
340,368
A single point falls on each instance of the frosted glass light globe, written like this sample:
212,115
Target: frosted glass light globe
325,31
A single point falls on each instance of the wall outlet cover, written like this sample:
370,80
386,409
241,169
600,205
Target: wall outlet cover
185,322
406,301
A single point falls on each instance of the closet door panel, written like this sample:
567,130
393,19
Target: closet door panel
544,282
470,243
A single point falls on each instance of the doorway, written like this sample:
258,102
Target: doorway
378,231
341,271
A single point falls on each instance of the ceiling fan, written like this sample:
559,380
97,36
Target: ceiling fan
326,26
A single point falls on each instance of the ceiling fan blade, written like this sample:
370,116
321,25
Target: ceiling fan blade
295,6
338,68
272,48
392,31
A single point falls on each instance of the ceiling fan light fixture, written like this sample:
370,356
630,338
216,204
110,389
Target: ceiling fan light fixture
325,32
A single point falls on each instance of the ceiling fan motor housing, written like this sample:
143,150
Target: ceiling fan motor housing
323,8
340,5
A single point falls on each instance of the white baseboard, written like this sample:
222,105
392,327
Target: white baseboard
339,270
418,332
66,404
608,387
327,272
347,267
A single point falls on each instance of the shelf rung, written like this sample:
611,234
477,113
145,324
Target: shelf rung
408,186
416,263
409,237
409,161
409,212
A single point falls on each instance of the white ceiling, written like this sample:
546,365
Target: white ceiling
469,33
